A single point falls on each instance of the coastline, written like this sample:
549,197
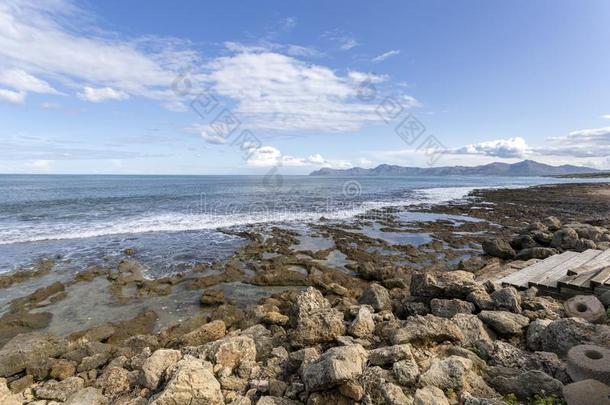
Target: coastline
292,294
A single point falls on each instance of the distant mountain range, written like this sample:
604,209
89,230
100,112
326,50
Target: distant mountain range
524,168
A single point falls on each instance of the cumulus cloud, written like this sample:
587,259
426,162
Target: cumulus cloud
268,156
13,97
102,94
583,143
386,55
502,148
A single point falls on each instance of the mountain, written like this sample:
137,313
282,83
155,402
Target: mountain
524,168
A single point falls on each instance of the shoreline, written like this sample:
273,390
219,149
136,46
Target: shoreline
362,276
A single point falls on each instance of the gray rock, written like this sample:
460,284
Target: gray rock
59,391
507,299
589,362
430,396
566,239
87,396
605,299
536,252
481,299
587,307
377,297
406,371
452,284
427,329
363,325
269,400
543,238
526,385
315,321
473,329
29,348
498,248
563,334
505,323
337,365
534,333
393,395
587,392
192,382
389,354
451,372
523,242
154,367
447,308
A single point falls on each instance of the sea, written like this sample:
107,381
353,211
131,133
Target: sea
174,222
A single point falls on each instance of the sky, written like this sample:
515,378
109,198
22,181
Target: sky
190,87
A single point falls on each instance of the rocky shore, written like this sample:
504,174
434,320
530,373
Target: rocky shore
394,307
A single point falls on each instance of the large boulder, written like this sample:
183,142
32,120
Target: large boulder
315,321
154,367
498,248
563,334
505,323
192,383
29,348
452,284
337,365
566,239
524,385
427,329
377,297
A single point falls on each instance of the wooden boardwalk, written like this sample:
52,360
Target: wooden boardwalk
566,273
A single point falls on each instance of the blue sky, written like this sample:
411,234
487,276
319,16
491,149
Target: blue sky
99,87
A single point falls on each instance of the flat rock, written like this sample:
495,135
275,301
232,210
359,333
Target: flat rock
446,308
563,334
59,391
389,354
505,323
526,385
29,348
427,329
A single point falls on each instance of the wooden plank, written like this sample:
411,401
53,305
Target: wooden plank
603,277
549,278
521,278
578,281
602,260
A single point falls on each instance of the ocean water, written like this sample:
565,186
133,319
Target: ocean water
173,221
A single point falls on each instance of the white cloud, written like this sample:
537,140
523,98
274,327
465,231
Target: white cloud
102,94
268,156
384,56
50,106
343,39
39,165
279,92
503,148
22,81
348,43
583,143
13,97
213,139
607,116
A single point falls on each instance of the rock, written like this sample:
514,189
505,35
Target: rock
552,223
212,296
315,321
337,365
505,323
114,381
587,307
563,334
426,329
498,248
447,373
87,396
430,396
565,239
481,299
521,242
204,334
589,362
59,391
452,284
154,367
262,338
363,325
506,355
587,392
393,395
191,383
377,297
473,329
534,333
92,362
544,238
447,308
231,351
29,348
389,354
406,371
6,397
63,369
507,299
536,253
605,299
21,384
526,385
352,389
269,400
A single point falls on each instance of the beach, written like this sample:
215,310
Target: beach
372,302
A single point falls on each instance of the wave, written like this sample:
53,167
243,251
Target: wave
200,219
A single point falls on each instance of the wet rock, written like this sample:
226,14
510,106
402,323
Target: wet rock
536,253
114,381
505,323
192,382
389,354
563,334
232,350
26,349
587,307
337,365
451,372
445,308
212,296
589,362
430,396
363,325
377,297
315,321
59,391
154,367
204,334
87,396
507,299
526,385
586,392
426,329
473,329
498,248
